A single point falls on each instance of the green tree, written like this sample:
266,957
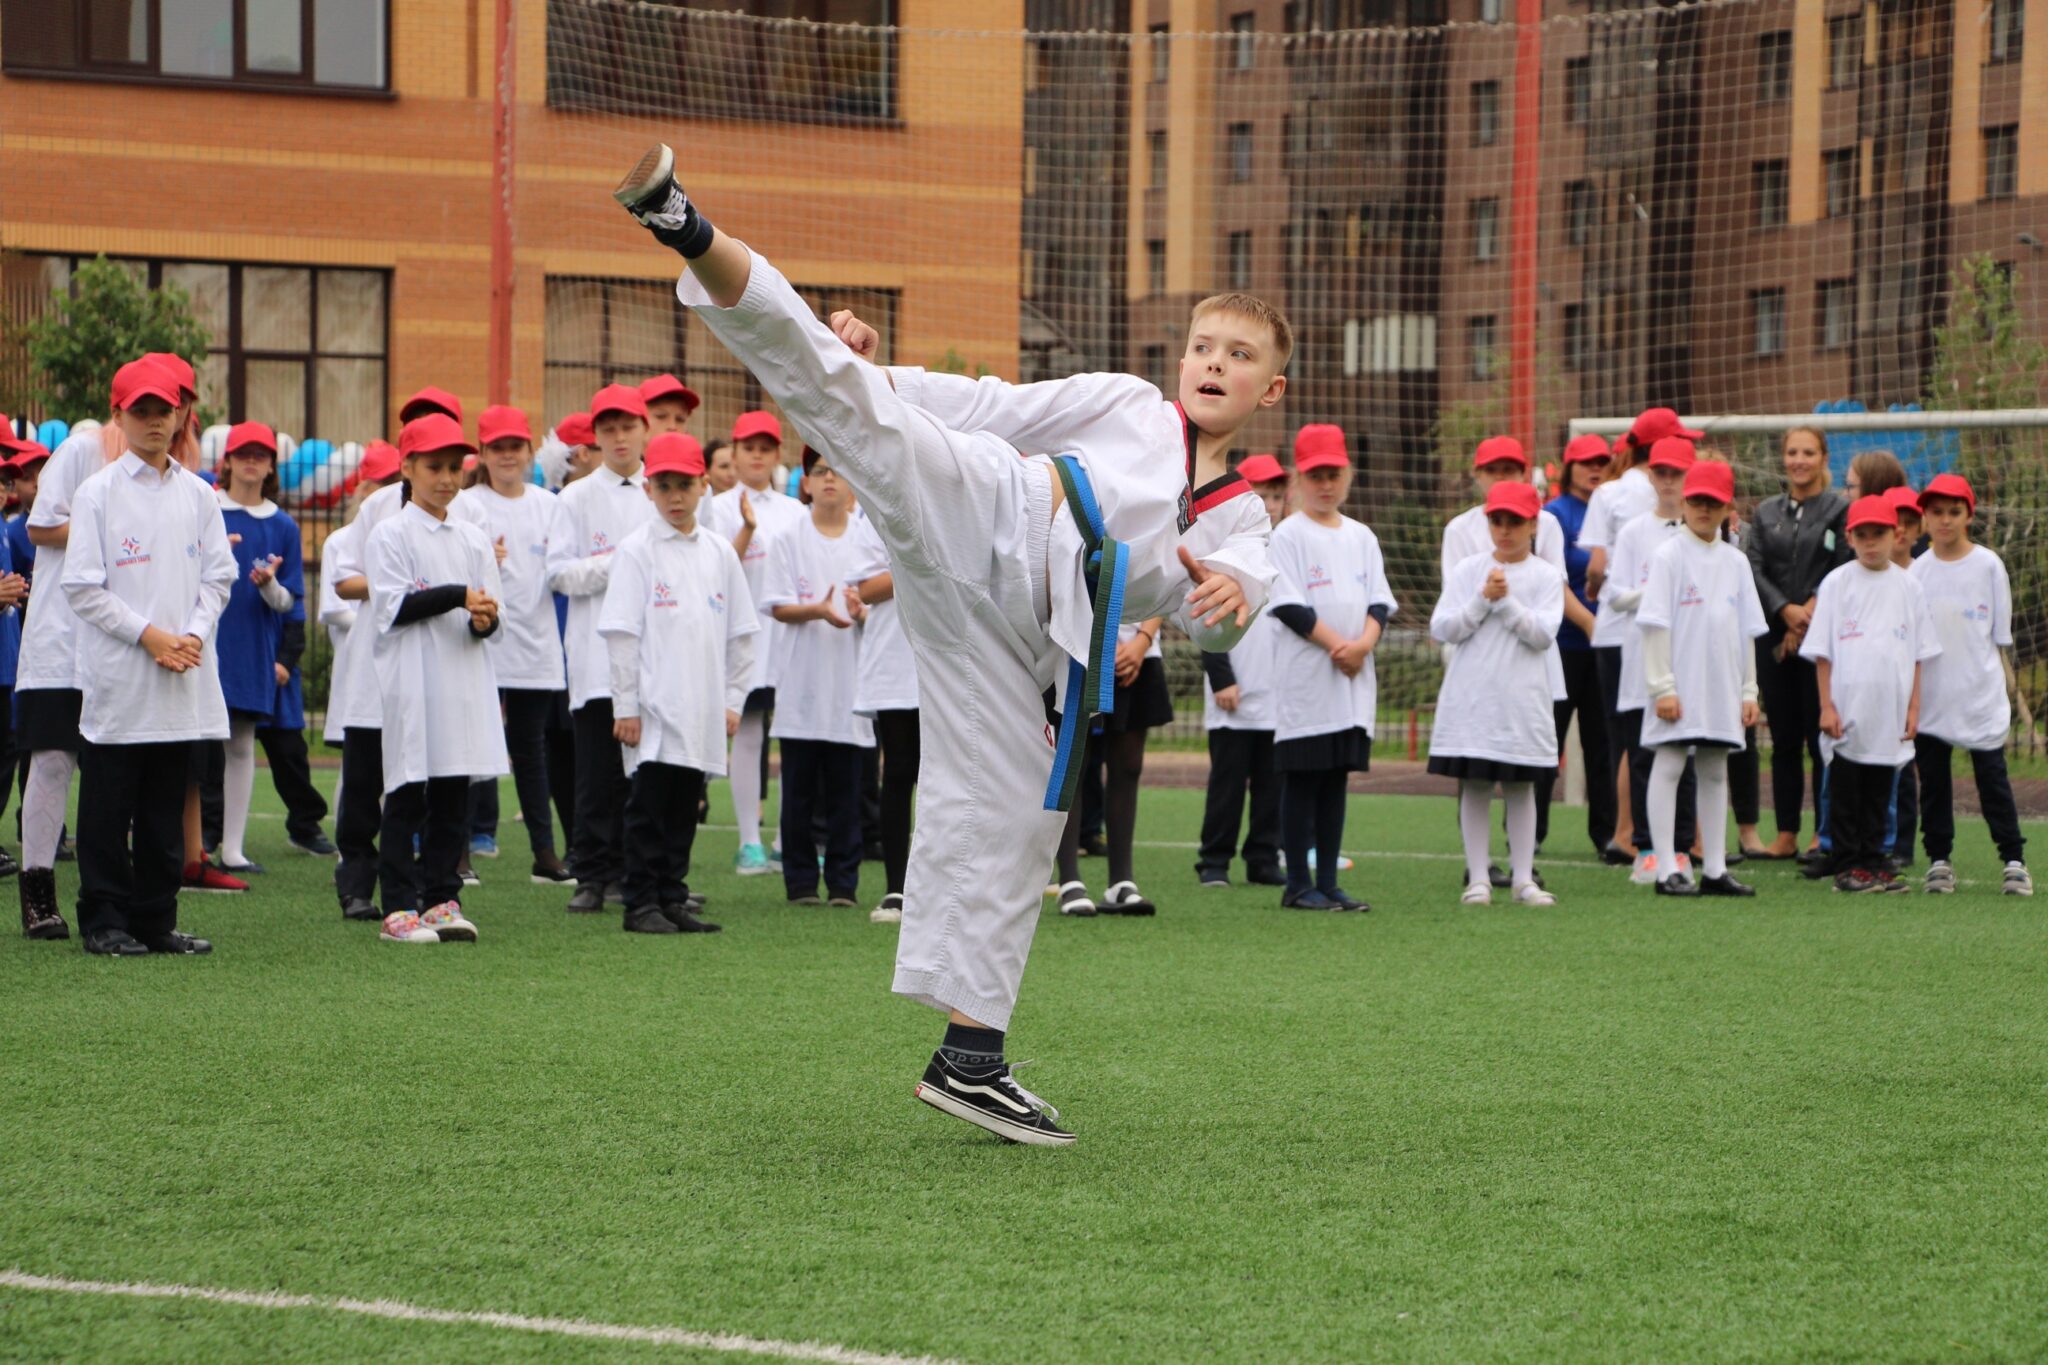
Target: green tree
109,318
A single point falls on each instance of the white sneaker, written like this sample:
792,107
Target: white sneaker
1940,879
1528,893
890,911
1645,873
1477,893
447,922
2018,881
405,927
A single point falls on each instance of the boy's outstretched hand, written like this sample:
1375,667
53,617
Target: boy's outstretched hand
860,338
1216,595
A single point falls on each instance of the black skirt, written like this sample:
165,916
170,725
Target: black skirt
47,718
759,700
1488,769
1343,751
1145,704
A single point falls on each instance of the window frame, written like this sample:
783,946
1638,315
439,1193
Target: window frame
1826,292
1573,350
1770,187
1841,26
1243,137
1238,260
1578,91
1774,66
1161,55
1485,110
1775,296
1483,212
1482,362
1243,46
2009,135
149,71
2007,40
1581,212
1831,159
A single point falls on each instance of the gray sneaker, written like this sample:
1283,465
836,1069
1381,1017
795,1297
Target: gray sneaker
2017,881
1940,879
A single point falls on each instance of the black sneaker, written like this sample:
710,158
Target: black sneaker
1265,876
1346,901
1856,881
316,844
177,944
115,943
8,867
1819,869
588,900
649,919
1677,884
991,1098
1212,879
1615,856
1724,885
615,894
649,191
359,909
252,868
1499,878
1309,900
1889,881
684,918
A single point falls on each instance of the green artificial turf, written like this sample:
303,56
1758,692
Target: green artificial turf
1803,1127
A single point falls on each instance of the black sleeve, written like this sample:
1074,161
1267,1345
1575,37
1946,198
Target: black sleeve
1379,612
1297,618
1216,668
487,632
418,606
291,647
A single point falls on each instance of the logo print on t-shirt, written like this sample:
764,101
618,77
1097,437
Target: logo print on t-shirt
664,595
1319,577
803,588
1980,612
717,601
1689,595
131,553
1852,629
600,543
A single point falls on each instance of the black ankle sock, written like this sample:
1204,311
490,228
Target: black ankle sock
695,238
966,1045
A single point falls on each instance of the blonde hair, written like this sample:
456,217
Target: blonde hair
1257,310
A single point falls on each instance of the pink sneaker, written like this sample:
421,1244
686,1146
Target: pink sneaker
446,920
405,927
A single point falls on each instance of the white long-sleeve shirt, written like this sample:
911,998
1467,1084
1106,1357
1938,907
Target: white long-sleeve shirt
49,636
1494,703
774,514
337,614
356,694
147,549
598,511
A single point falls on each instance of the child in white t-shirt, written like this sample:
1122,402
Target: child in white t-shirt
810,584
886,693
1963,702
1698,614
680,627
1493,712
1869,636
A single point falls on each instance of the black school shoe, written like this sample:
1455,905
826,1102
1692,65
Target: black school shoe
588,900
317,844
1677,884
988,1097
1724,885
115,943
1346,901
1265,876
1123,899
684,918
649,919
176,944
359,909
1615,856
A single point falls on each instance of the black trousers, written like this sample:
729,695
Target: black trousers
1994,794
871,798
1905,821
9,758
291,773
897,732
1742,780
361,814
1859,799
131,835
437,811
212,769
1240,760
1312,816
561,744
1584,697
1686,827
661,829
600,795
820,777
526,745
1791,698
1620,739
483,808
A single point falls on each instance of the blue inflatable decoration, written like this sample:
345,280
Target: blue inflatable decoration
1924,453
292,469
51,434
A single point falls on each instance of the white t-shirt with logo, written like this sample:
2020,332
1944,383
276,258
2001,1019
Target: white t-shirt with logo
49,635
888,674
526,651
598,512
1337,571
774,514
1255,663
357,694
1872,627
1704,593
1628,574
1962,690
1467,534
1495,699
1614,505
336,615
814,699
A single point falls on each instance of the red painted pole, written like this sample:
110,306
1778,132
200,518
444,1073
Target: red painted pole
1526,197
501,211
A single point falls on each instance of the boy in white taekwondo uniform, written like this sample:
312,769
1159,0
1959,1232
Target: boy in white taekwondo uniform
599,511
676,616
1869,635
148,571
994,595
434,591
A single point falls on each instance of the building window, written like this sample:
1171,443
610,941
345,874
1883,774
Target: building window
1768,308
1841,168
1240,260
816,61
1162,54
1581,211
1155,156
1490,11
1240,151
1845,50
2001,161
1155,267
1401,344
1835,306
1485,113
1486,229
1354,335
2008,29
274,44
1768,182
1481,343
1155,367
1773,66
1575,336
1243,49
1578,90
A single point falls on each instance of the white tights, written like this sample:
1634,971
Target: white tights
745,771
1475,805
42,805
238,785
1710,766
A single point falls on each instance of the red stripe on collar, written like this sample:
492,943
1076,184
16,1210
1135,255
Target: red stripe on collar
1221,491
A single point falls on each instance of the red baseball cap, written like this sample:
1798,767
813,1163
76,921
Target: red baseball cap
500,423
1320,445
1496,449
380,461
1260,469
1875,510
431,432
756,423
1707,479
674,452
252,434
431,400
576,430
1586,448
140,379
668,386
1654,424
1903,499
1950,486
617,398
179,369
1672,452
27,453
1517,498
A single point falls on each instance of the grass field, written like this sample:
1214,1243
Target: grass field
1801,1127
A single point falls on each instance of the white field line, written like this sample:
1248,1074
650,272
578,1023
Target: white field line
515,1322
